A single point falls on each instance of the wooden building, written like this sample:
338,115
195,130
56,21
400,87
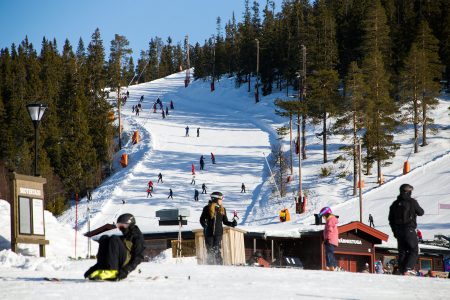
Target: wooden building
356,247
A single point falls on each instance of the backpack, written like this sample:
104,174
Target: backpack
402,212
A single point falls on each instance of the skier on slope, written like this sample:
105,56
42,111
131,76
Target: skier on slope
202,163
211,219
118,256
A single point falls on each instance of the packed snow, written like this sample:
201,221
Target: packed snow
241,135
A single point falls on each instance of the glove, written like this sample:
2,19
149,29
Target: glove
234,223
122,274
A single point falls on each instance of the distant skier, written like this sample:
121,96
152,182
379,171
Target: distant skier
132,108
204,188
202,163
160,178
198,132
167,111
171,105
193,179
187,131
137,111
213,158
123,201
149,192
118,256
150,184
142,98
371,221
140,106
128,94
154,107
170,194
243,188
196,195
163,114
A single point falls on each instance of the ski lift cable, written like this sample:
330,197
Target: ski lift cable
412,148
273,177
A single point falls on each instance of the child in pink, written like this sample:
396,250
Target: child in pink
330,236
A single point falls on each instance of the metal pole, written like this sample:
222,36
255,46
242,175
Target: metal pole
360,180
36,125
300,187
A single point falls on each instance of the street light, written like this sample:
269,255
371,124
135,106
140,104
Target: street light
36,111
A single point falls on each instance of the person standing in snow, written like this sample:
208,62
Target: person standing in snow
163,114
187,131
213,158
170,194
202,163
137,111
128,94
402,219
419,235
142,98
243,188
160,178
149,192
330,236
196,195
150,184
211,219
132,107
203,188
171,104
193,179
118,256
167,111
371,221
198,131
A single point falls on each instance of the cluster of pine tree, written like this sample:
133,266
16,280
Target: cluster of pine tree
75,145
371,64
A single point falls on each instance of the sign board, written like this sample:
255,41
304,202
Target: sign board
27,211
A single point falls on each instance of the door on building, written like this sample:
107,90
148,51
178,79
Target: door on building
352,263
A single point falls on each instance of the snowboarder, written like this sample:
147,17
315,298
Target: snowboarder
196,195
167,111
171,104
202,163
243,188
330,236
193,180
118,256
187,131
170,194
211,219
198,132
203,188
213,158
402,219
160,178
149,192
371,221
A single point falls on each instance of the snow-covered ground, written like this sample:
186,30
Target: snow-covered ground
240,134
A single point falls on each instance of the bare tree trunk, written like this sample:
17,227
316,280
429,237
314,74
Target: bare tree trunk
118,112
424,120
290,142
303,136
324,118
355,164
249,79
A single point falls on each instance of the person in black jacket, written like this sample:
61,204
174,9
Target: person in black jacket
211,219
402,219
118,256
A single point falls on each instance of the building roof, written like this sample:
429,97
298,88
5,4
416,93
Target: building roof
355,225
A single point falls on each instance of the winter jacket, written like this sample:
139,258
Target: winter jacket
415,210
213,224
331,232
134,242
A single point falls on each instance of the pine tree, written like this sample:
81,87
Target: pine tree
430,74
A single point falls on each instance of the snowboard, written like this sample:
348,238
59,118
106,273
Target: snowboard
99,230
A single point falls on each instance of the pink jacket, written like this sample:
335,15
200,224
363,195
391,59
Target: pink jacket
331,232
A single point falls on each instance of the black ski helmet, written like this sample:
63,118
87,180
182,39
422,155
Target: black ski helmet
406,189
216,196
126,219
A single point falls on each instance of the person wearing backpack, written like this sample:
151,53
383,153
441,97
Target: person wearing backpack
402,219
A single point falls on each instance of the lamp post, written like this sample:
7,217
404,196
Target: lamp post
36,111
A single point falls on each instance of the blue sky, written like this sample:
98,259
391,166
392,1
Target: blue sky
138,20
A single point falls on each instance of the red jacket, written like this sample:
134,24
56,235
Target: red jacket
331,232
